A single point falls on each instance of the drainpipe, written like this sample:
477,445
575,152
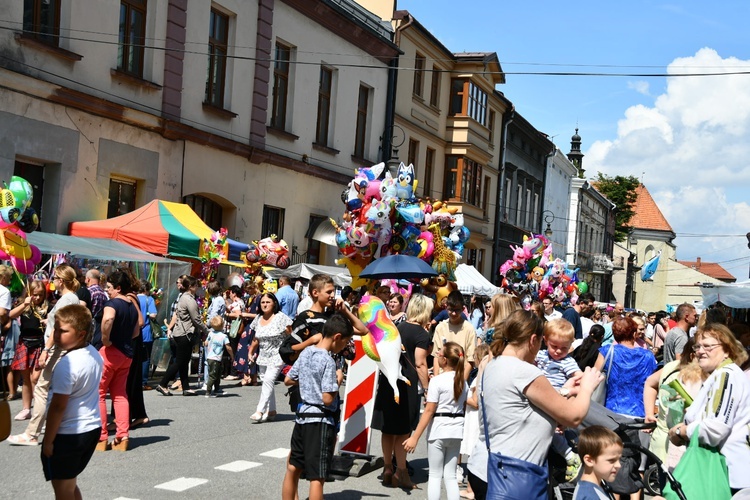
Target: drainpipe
507,120
390,109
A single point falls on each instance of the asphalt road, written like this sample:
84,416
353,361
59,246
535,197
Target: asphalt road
195,447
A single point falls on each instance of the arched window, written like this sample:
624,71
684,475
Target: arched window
208,210
649,253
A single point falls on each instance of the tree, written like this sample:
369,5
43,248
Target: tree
620,191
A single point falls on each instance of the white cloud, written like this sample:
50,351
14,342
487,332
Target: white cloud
640,86
689,148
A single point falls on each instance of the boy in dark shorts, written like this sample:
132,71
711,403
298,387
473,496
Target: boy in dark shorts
73,420
314,435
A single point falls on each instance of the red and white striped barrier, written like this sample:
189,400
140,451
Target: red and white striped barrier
359,403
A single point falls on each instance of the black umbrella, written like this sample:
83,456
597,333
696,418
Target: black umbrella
397,267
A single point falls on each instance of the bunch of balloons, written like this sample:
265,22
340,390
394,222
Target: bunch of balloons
270,251
383,217
16,219
535,273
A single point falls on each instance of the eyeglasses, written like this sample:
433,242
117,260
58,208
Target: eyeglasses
707,348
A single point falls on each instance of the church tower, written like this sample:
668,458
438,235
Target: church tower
575,156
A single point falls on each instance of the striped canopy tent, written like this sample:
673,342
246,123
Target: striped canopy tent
161,228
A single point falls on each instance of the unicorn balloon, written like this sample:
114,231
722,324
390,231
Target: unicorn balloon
383,345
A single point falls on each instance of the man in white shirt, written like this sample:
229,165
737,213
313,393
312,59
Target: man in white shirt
549,309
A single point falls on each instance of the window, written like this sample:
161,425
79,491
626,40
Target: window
429,166
463,180
477,104
413,152
435,87
508,194
535,216
528,208
132,36
468,99
208,210
491,126
273,221
361,130
121,197
324,105
34,173
471,190
41,20
486,195
280,86
519,206
457,97
418,75
218,33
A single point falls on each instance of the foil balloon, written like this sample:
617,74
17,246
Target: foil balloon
383,344
29,221
15,248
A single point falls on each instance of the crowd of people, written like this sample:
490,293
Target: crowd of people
482,375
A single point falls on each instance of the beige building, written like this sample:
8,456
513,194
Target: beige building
254,113
447,122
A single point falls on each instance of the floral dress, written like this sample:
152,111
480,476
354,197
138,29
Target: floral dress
243,361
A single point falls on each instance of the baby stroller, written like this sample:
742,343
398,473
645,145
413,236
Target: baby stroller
628,478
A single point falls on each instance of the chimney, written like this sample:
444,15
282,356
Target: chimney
697,262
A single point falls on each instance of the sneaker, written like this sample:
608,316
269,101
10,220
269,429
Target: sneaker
573,466
210,395
203,387
24,414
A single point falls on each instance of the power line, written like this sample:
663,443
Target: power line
401,68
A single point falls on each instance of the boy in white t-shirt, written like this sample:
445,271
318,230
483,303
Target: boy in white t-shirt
215,343
73,421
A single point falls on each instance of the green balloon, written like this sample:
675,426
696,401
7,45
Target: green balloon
583,287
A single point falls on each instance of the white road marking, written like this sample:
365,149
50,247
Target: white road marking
181,484
277,453
238,466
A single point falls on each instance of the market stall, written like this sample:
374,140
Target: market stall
161,228
340,275
472,282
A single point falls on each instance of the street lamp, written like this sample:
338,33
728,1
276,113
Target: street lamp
548,218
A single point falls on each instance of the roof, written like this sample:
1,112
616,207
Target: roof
711,269
647,214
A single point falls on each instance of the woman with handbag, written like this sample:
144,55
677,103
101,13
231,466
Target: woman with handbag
720,414
270,329
32,311
188,328
519,411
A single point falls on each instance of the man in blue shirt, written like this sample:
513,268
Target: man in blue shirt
288,298
573,314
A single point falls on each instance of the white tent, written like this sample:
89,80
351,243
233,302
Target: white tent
471,282
735,295
340,275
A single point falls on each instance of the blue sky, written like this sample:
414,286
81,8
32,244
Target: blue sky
685,138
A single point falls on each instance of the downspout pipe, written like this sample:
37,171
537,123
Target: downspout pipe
390,109
507,120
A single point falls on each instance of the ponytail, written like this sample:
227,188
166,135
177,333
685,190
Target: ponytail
454,355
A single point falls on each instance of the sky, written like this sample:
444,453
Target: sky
684,137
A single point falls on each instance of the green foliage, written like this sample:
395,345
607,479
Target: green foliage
621,191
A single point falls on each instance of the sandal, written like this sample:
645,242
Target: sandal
387,478
138,422
24,414
120,444
22,439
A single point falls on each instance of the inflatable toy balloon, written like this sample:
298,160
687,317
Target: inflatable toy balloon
411,213
234,279
22,191
444,260
29,221
406,182
355,264
583,287
275,250
15,248
426,245
252,255
383,344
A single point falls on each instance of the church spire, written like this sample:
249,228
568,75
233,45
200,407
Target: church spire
575,155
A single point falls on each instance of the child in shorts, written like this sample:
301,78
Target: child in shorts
314,435
600,449
73,419
559,367
215,343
